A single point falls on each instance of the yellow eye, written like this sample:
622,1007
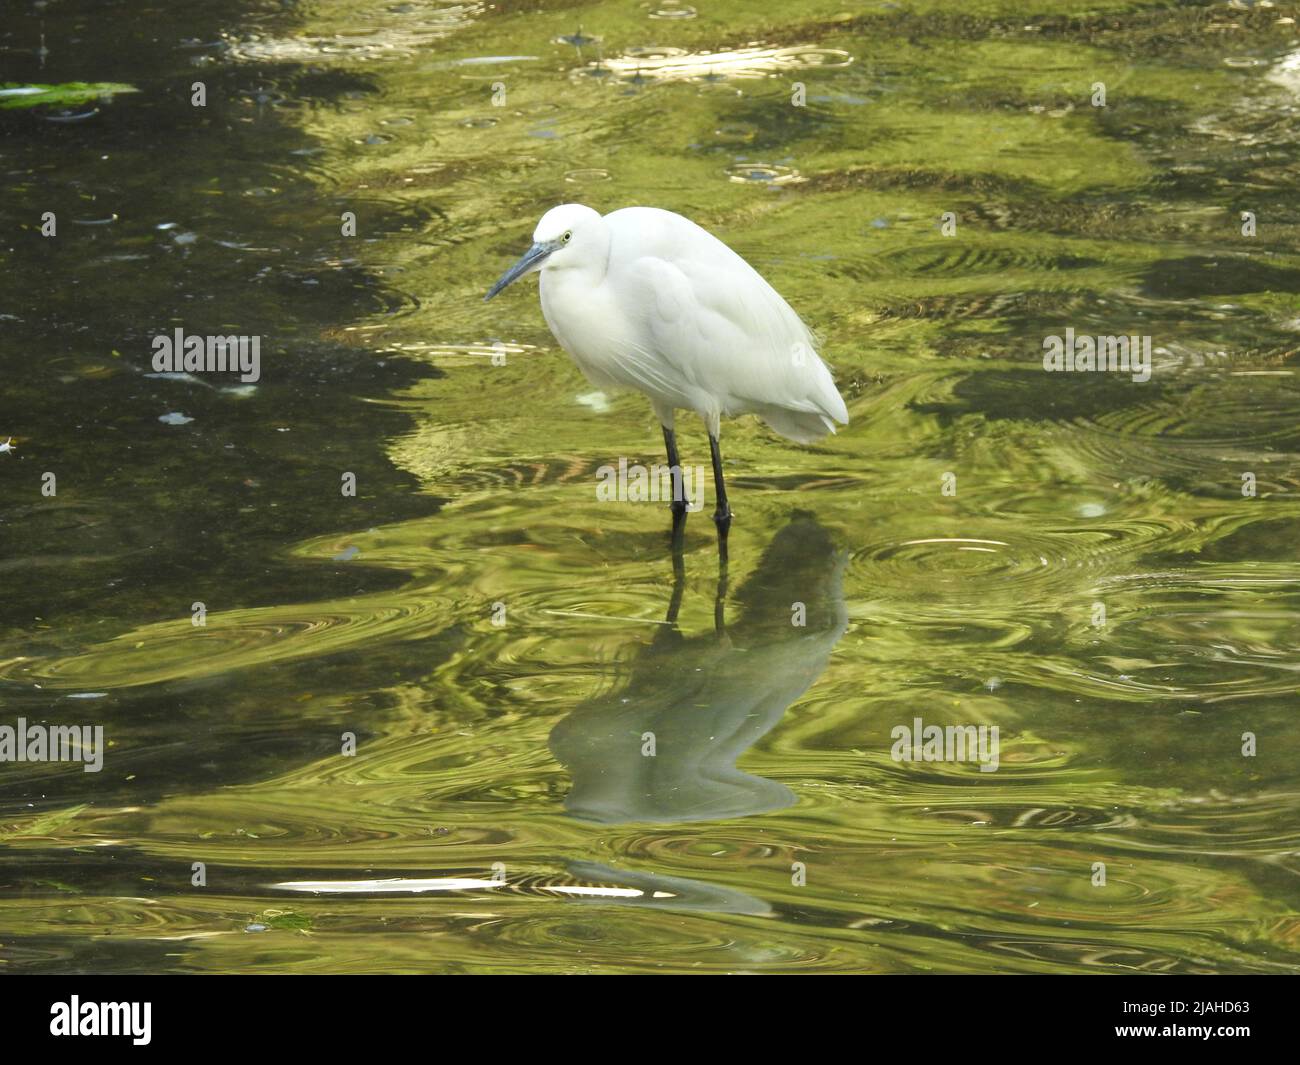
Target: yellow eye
568,236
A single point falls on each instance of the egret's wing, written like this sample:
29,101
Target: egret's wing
707,322
729,339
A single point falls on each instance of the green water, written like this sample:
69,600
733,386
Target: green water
500,780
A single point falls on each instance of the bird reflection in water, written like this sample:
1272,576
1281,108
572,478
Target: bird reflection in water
702,701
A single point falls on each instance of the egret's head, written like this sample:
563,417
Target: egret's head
566,235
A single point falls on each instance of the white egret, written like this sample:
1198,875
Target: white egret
645,299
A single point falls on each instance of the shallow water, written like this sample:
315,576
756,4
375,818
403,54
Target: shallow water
1091,579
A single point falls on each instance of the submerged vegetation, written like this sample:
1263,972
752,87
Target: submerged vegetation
73,92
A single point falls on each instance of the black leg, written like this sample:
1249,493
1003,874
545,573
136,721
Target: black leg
675,465
679,490
722,515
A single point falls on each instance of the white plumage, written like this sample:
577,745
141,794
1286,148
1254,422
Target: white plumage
645,299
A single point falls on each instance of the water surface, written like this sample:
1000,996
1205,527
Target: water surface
500,642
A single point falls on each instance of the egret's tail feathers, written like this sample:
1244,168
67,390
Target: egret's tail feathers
833,404
827,398
801,427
